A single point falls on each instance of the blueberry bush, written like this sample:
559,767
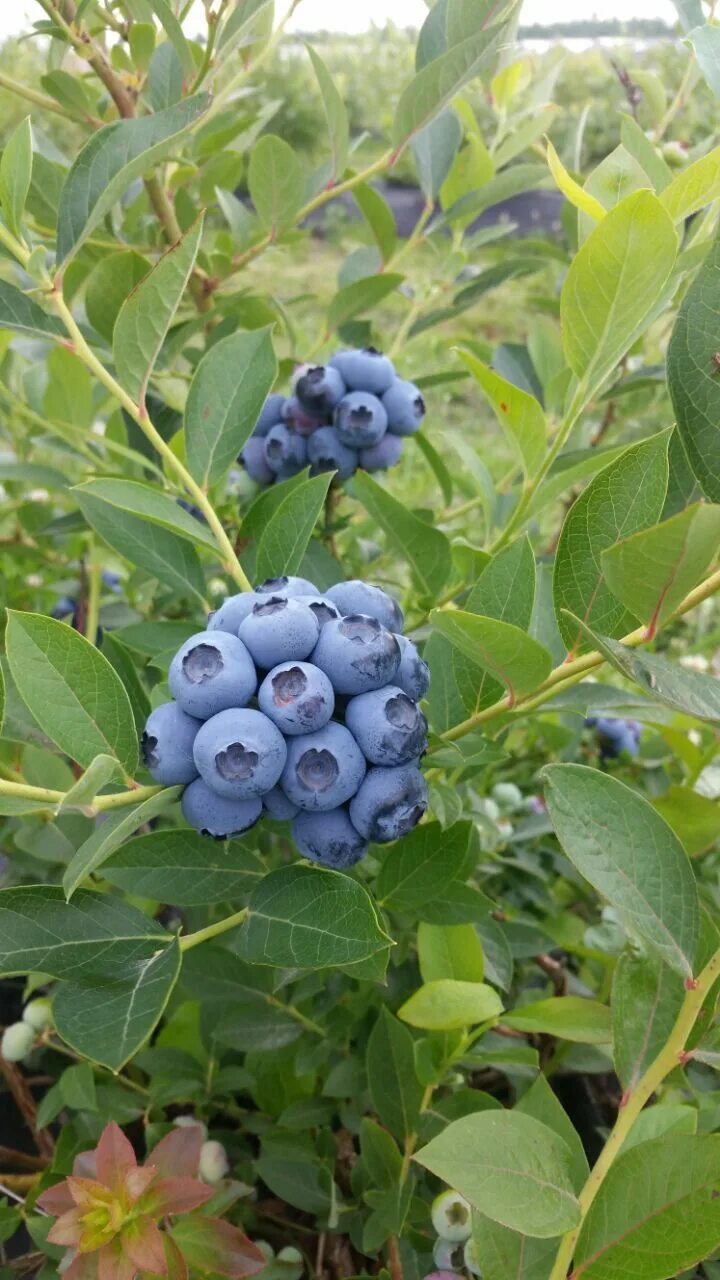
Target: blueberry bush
359,759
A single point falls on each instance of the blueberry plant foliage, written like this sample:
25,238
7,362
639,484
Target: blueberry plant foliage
488,1047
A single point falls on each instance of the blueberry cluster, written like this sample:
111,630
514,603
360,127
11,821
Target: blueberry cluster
615,736
302,706
18,1039
352,412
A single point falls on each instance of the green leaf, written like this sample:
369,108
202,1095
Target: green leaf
395,1091
510,655
276,183
109,1021
165,76
613,284
360,296
636,141
567,1017
652,571
503,1253
425,548
110,834
306,918
111,160
224,401
541,1103
450,951
94,935
380,1155
434,149
656,1213
336,116
705,40
22,314
15,174
446,1004
284,540
692,374
72,691
379,217
646,999
436,464
160,551
626,496
519,414
147,313
419,867
630,855
175,35
185,868
695,818
695,186
147,503
509,1166
108,285
438,81
99,772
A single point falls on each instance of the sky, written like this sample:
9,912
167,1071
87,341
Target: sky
357,15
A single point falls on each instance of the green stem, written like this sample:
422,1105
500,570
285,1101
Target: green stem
140,416
671,1056
93,601
101,804
213,930
24,791
293,1011
120,799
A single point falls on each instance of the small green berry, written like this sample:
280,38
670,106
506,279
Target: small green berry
214,1164
17,1042
507,795
38,1014
451,1216
290,1254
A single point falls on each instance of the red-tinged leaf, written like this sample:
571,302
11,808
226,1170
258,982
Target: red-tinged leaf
67,1230
113,1264
177,1267
214,1245
137,1182
87,1193
177,1155
56,1200
85,1165
175,1195
142,1242
115,1156
84,1266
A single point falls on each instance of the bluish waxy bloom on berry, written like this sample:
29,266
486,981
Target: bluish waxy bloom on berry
278,629
64,607
254,460
298,419
167,745
211,672
323,769
111,580
319,389
357,653
191,509
322,606
389,803
215,815
366,370
297,697
387,725
328,838
384,454
288,586
413,674
232,612
285,451
405,408
277,805
356,596
240,753
326,452
270,414
360,420
616,735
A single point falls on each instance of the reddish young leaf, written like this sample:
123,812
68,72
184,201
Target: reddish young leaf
115,1156
113,1264
214,1245
84,1266
142,1242
175,1195
67,1230
177,1155
56,1200
137,1182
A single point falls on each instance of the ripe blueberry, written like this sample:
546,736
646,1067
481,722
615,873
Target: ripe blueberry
254,461
323,769
232,612
167,744
322,607
285,451
326,452
297,697
271,412
279,629
356,596
287,586
388,726
384,454
405,408
357,653
413,674
277,805
360,420
214,815
298,419
319,389
240,753
389,803
366,370
210,672
328,838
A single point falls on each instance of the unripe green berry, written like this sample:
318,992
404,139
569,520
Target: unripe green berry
187,1122
17,1041
507,795
470,1259
290,1254
489,808
451,1216
446,1254
38,1014
214,1164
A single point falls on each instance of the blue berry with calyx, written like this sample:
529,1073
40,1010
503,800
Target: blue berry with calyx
405,407
413,674
389,803
276,805
286,586
381,456
254,461
214,815
616,735
240,753
319,389
356,596
357,653
167,745
298,419
387,725
285,451
211,672
65,606
328,838
232,612
360,420
270,414
322,606
326,452
323,769
365,370
297,697
279,629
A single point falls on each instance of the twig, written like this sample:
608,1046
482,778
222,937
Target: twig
25,1103
23,1161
